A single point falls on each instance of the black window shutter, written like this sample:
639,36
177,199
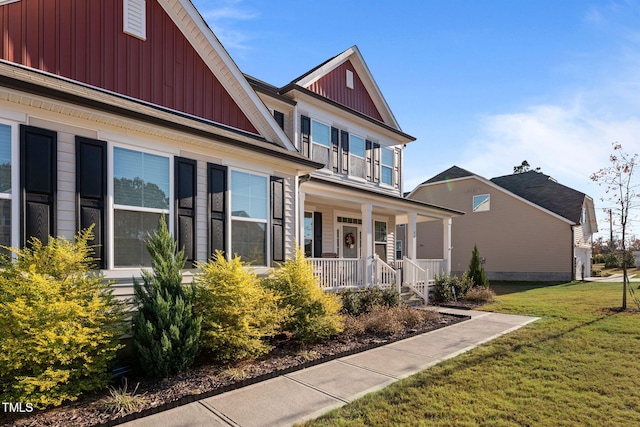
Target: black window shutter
344,139
369,160
91,192
279,116
376,162
277,219
38,183
317,234
396,168
185,191
217,189
335,142
305,124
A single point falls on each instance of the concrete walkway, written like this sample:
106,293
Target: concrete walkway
308,393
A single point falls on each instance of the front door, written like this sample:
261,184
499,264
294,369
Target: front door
349,241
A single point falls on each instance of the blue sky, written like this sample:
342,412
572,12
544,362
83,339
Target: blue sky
483,84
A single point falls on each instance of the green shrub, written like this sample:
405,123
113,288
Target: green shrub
358,301
59,323
477,274
445,284
598,259
166,332
315,313
238,313
612,260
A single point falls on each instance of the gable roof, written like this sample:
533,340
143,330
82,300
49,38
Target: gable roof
365,97
178,65
544,191
453,172
535,188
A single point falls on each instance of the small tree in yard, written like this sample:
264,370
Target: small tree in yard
166,332
476,271
620,189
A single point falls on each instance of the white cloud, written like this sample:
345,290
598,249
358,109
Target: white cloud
223,17
567,142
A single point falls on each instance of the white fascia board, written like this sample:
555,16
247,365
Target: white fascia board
496,187
201,37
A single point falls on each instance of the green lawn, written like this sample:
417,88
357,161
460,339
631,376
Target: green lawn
577,366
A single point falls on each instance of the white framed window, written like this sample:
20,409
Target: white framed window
308,234
398,249
321,142
380,239
141,195
357,164
481,203
8,136
386,166
249,216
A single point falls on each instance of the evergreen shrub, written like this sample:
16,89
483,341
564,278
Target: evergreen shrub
239,314
358,301
315,313
166,332
477,274
443,289
59,323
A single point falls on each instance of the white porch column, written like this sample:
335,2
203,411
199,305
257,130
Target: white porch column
300,229
446,245
412,247
367,243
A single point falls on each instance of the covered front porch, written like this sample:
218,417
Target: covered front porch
358,238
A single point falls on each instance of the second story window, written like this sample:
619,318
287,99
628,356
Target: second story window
321,139
356,156
386,172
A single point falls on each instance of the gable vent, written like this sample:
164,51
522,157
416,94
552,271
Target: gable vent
350,79
135,23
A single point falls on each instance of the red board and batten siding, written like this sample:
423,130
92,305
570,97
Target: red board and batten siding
84,41
334,86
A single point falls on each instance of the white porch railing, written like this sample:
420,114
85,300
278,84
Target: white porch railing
335,273
416,278
431,266
383,275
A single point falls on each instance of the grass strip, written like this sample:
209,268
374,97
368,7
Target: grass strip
578,366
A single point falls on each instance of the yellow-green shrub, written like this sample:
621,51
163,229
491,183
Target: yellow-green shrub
238,313
59,323
315,312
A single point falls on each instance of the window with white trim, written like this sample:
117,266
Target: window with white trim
481,203
249,216
308,234
321,142
386,166
357,162
5,185
141,192
380,239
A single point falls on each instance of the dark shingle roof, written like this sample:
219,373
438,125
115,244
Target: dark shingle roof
451,173
545,192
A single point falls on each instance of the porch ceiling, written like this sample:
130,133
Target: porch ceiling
347,198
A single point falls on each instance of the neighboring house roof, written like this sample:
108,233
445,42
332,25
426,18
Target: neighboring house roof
453,172
544,191
534,187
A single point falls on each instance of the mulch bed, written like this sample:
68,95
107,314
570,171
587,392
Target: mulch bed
208,379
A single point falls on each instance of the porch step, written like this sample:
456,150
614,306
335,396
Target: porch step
409,298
